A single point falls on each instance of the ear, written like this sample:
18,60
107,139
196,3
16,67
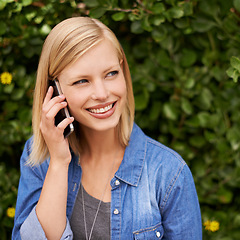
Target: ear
121,64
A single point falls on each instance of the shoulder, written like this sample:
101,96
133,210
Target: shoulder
152,152
39,169
29,171
154,156
27,147
162,152
165,167
168,166
171,173
155,152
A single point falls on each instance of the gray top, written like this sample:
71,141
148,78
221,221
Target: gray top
101,229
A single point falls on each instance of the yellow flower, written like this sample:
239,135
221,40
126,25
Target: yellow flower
212,226
11,212
6,78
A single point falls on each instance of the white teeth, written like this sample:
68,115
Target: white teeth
101,110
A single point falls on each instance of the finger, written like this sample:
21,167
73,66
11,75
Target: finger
47,125
50,102
48,95
51,114
64,123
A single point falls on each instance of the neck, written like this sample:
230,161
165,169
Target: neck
99,144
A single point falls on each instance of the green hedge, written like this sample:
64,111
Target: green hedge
184,61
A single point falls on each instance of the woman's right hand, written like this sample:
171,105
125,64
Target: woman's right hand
58,146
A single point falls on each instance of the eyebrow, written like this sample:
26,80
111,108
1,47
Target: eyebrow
114,66
105,71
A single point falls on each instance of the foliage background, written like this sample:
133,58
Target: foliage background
183,56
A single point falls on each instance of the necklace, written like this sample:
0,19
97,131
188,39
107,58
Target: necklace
98,207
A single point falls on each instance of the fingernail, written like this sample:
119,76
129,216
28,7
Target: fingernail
62,96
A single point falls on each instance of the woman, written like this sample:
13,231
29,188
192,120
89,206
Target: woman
107,180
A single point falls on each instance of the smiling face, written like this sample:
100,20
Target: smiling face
95,88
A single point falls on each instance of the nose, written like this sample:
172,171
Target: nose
100,90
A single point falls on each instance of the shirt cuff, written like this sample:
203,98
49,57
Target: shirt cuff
31,229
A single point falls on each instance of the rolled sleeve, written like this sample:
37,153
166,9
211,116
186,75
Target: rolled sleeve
31,229
26,223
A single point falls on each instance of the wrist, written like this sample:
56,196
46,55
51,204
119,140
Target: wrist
59,164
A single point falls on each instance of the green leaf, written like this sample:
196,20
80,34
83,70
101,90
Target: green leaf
91,3
176,12
17,94
146,25
158,20
186,106
141,100
233,136
30,16
3,4
190,82
136,27
204,100
235,63
159,34
170,111
45,29
187,7
97,12
11,106
236,4
26,2
155,110
210,136
18,7
158,8
163,59
224,195
8,88
230,72
181,23
197,141
201,24
203,118
118,16
209,7
188,58
235,75
28,51
3,27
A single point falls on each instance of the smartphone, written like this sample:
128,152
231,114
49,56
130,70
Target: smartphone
64,112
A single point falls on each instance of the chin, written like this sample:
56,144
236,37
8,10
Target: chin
101,125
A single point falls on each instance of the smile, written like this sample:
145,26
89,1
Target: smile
101,110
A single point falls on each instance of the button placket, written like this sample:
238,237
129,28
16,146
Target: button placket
158,234
117,182
116,211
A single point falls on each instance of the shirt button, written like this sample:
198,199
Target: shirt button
116,211
117,183
158,234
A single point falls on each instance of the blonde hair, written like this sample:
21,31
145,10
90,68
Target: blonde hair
68,41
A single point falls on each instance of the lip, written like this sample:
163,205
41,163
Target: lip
106,114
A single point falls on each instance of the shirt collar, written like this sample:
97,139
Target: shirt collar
132,164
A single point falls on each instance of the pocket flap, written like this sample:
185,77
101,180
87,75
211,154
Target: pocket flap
155,232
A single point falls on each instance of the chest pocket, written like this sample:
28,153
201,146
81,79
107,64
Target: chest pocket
151,233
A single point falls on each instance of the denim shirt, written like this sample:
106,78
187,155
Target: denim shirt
153,195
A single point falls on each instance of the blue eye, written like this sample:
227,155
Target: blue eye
80,81
113,73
